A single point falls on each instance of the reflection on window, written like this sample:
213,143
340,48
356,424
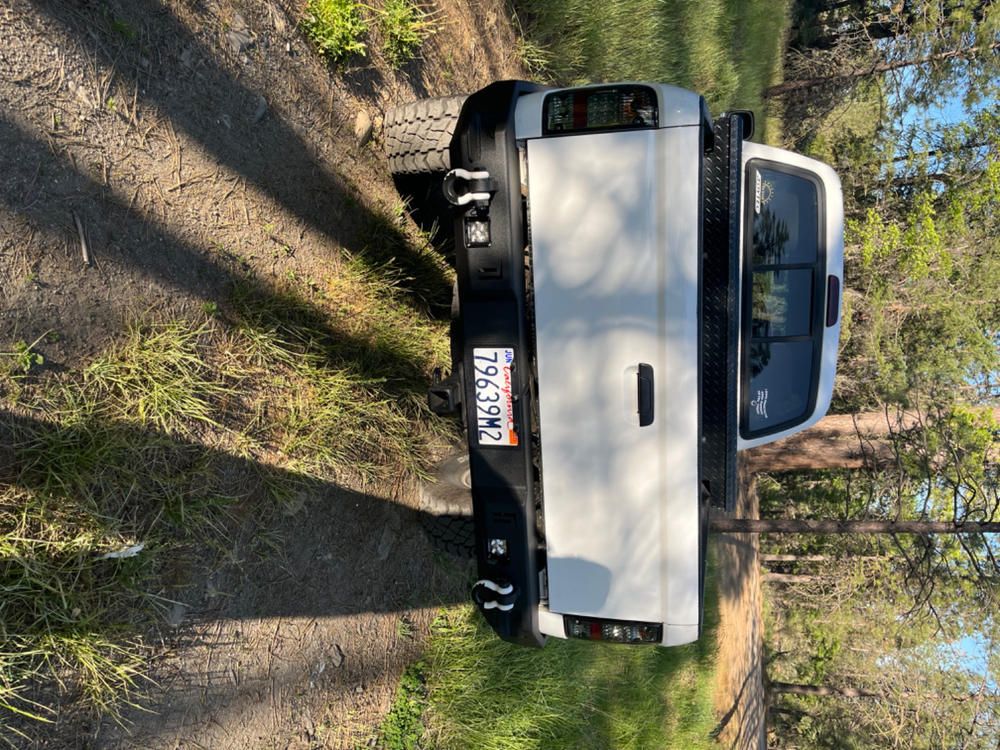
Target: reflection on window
782,303
785,219
780,381
783,253
770,237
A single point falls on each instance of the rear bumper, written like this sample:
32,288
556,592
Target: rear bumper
491,286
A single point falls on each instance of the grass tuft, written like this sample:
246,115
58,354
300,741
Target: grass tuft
404,27
403,728
336,27
159,376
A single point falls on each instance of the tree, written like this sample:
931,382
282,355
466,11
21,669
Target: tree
872,440
923,49
853,75
831,526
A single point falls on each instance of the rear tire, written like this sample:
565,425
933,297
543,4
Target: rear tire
446,507
418,135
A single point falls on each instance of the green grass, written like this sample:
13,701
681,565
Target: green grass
184,435
336,27
488,694
404,27
728,51
402,728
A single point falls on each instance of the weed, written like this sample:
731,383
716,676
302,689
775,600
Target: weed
402,728
404,628
24,357
336,27
211,309
123,28
404,27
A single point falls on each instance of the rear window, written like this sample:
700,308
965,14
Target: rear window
783,298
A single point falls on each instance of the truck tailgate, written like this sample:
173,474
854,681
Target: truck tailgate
615,258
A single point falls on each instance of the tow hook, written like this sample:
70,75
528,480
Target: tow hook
490,595
462,187
445,395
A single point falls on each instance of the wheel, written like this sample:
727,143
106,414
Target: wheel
418,135
446,507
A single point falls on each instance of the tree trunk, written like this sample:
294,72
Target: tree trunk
797,558
787,687
828,526
846,692
885,67
838,441
793,578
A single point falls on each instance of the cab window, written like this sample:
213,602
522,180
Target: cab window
783,297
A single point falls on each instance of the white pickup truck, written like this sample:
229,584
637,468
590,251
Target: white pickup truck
641,293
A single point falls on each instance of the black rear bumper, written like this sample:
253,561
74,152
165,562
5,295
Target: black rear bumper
491,287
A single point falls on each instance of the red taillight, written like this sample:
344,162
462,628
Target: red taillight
612,631
601,108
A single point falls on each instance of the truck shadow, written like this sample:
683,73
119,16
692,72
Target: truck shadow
331,576
295,545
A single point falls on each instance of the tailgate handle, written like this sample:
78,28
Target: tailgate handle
645,394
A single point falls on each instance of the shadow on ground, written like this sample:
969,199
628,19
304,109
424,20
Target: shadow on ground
331,589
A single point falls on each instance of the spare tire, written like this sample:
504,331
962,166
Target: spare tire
446,507
418,135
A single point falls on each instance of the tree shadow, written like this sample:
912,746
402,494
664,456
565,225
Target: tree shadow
179,75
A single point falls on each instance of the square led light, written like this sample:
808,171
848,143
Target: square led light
498,547
477,232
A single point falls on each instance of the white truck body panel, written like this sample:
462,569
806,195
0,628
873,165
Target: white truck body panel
615,267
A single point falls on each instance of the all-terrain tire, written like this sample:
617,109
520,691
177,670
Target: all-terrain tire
418,135
446,507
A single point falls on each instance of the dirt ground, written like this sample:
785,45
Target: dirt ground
186,138
739,679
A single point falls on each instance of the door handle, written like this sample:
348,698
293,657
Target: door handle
645,385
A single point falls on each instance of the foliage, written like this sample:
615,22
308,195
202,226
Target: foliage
336,27
402,728
725,50
404,27
925,53
23,358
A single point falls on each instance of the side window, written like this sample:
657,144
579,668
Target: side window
783,297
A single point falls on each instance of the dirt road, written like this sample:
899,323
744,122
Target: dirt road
740,687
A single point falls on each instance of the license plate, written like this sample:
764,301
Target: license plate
494,405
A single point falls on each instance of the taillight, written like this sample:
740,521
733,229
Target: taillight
610,108
613,631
